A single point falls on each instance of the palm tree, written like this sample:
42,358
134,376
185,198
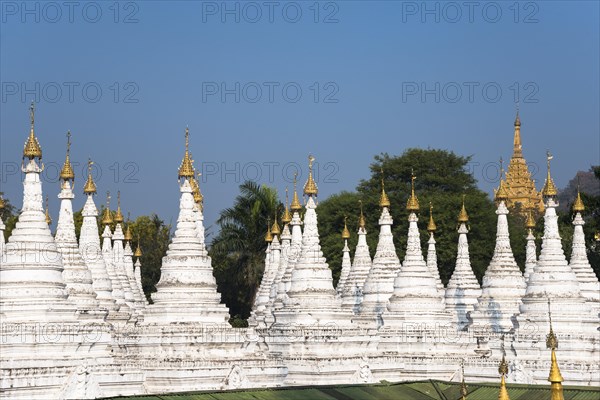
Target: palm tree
238,250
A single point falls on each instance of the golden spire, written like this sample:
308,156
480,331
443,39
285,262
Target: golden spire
362,223
345,232
463,385
384,201
186,169
138,250
310,187
48,218
275,228
66,173
286,218
128,234
503,370
517,148
90,186
268,236
555,378
119,215
107,218
431,227
501,194
578,206
412,204
463,217
530,222
32,147
296,206
549,187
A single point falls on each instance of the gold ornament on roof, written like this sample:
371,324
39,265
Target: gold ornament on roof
138,250
501,194
310,187
530,222
412,204
295,206
549,187
286,218
345,232
48,218
275,228
66,173
186,169
107,218
32,148
463,385
578,206
90,186
503,370
198,198
463,217
555,378
431,226
268,236
384,201
128,235
362,223
119,215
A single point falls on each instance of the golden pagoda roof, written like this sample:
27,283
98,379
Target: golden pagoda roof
286,218
412,204
275,228
503,371
138,250
48,218
66,173
463,217
268,236
186,169
549,187
431,226
119,215
107,218
32,148
362,223
295,206
345,232
578,206
384,201
310,187
90,186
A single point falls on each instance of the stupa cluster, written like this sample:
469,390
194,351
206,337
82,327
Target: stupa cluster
76,323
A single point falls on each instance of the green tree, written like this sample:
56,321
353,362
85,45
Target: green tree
8,215
238,250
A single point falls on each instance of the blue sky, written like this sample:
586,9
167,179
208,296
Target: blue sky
260,88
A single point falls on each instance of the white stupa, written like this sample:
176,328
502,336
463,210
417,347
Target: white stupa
503,284
352,294
379,285
139,301
588,282
463,289
138,273
118,256
531,249
187,289
286,238
432,263
346,262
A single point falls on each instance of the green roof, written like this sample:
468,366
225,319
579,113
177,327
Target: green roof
422,390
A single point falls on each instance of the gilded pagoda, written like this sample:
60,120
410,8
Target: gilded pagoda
518,183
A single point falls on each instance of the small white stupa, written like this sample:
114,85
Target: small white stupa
346,262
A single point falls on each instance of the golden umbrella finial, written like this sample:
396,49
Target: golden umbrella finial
578,206
555,378
107,218
503,371
138,250
296,206
431,226
345,232
275,228
268,236
463,217
310,188
286,218
412,204
463,385
48,218
530,222
501,194
66,173
186,170
119,214
549,189
90,186
362,223
32,148
384,201
128,235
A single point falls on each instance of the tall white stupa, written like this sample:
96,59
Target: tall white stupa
346,261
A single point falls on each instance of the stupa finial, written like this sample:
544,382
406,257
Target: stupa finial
90,186
32,148
549,187
384,201
310,188
412,204
66,173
